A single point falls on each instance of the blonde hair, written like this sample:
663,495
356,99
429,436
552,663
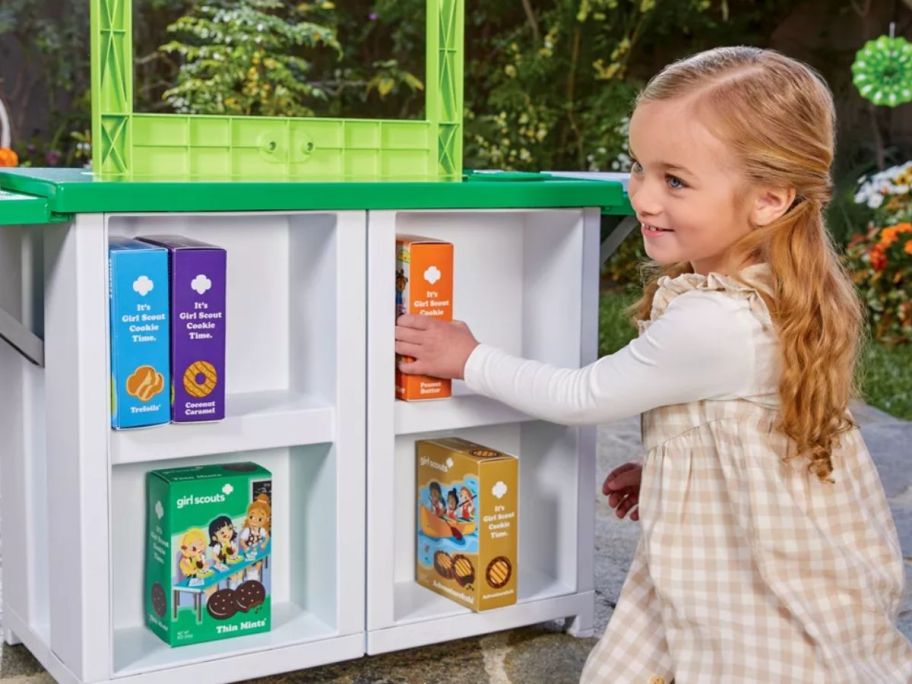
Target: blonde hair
261,504
776,115
194,535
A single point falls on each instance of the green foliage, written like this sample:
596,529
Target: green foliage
886,374
623,268
247,57
615,327
51,37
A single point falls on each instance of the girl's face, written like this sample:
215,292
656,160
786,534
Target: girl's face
451,501
435,496
686,187
195,548
223,536
256,519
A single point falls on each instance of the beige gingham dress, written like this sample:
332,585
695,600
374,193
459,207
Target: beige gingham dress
749,569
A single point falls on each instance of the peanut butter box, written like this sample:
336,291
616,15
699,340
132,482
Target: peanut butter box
467,522
424,286
208,552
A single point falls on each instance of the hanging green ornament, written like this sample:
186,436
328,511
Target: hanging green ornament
882,71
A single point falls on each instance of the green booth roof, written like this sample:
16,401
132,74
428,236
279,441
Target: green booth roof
48,195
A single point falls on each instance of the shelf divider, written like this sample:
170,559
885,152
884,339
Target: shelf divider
254,420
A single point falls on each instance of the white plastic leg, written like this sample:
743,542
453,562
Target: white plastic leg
10,638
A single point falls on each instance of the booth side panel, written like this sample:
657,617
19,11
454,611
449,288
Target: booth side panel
78,427
582,624
12,428
351,407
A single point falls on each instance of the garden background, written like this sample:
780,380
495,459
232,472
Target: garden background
548,85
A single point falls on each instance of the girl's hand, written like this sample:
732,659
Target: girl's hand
440,349
622,487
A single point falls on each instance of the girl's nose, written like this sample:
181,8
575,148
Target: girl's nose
643,197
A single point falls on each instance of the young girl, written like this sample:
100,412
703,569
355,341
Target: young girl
768,552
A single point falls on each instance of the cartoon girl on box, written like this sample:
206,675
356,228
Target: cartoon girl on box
194,565
436,495
223,546
255,532
466,507
452,504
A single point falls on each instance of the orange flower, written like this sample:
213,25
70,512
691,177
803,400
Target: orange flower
908,248
8,157
888,235
878,258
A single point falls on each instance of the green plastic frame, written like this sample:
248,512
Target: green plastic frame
127,145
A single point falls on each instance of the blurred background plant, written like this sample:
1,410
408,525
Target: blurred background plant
880,259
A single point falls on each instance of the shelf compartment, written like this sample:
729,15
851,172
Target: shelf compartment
464,409
138,650
310,563
549,474
291,284
464,623
258,420
415,603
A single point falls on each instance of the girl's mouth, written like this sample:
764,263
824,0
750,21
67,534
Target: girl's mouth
654,230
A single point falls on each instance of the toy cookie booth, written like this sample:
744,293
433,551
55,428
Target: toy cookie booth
307,212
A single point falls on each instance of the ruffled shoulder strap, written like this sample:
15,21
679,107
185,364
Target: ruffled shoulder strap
758,278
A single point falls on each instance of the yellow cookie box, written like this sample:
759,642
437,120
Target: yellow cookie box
467,522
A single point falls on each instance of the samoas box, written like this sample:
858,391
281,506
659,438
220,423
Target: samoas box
424,286
467,522
198,273
140,369
208,548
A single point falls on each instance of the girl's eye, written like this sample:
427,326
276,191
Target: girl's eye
635,166
674,182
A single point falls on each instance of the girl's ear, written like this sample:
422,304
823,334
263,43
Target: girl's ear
770,204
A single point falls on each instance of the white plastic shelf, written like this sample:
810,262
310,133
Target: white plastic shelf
253,420
138,650
414,603
464,409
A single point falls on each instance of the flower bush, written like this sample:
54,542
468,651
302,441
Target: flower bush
880,262
888,193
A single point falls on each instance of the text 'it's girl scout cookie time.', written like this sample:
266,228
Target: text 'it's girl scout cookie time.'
467,522
424,286
198,282
140,324
208,552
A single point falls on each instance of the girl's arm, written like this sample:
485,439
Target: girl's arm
701,347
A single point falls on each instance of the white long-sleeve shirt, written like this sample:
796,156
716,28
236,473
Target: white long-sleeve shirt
706,345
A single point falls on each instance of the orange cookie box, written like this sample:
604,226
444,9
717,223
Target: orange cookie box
424,286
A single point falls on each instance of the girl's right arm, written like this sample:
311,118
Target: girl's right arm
700,348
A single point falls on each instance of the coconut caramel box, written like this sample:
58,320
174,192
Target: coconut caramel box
424,286
198,272
467,522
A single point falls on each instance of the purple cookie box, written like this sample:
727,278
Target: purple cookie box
198,275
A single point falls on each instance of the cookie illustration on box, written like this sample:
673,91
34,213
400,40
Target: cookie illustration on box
208,552
467,522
